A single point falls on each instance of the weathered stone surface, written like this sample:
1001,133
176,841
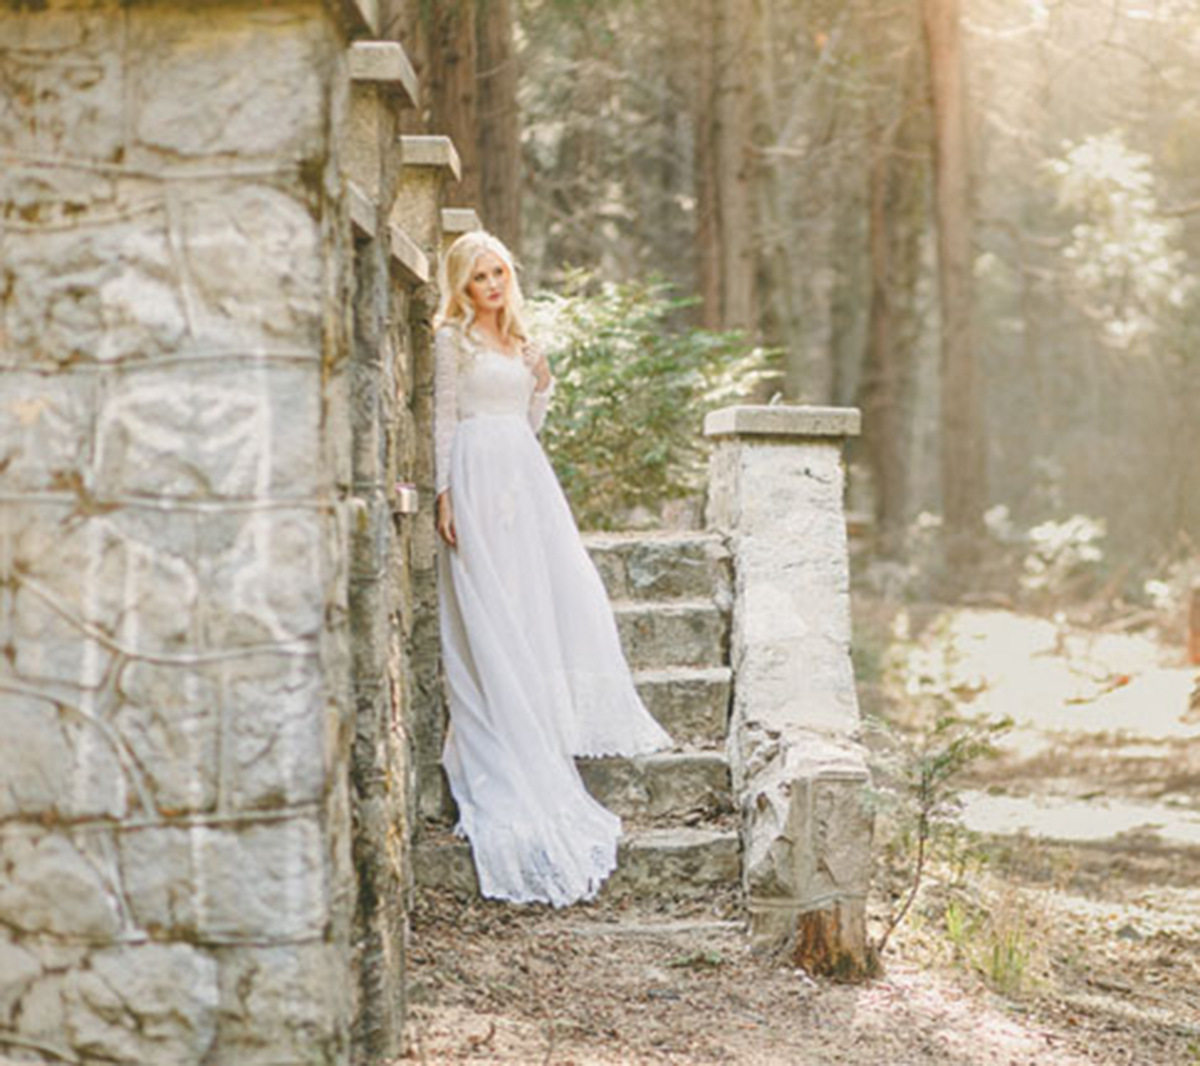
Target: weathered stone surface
688,633
96,294
659,784
280,726
70,62
169,718
45,429
258,73
263,579
18,970
783,420
799,775
675,863
652,862
145,1003
260,882
231,433
662,566
692,704
279,1004
68,765
50,883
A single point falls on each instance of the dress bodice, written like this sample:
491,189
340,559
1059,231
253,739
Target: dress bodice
471,379
492,383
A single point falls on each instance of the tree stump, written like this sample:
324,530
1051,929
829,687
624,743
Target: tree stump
832,942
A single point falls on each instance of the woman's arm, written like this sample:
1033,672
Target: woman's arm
544,387
445,422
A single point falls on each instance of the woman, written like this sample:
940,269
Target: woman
533,663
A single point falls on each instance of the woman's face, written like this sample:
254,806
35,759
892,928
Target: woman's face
488,284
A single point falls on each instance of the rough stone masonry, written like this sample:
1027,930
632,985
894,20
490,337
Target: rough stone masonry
175,676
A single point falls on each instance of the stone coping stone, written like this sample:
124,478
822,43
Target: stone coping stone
408,254
385,63
456,220
434,150
362,209
783,420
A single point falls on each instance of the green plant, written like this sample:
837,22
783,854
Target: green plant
632,390
925,771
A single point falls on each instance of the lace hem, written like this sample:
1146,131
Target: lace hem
559,861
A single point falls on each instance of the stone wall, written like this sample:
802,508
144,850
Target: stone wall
178,492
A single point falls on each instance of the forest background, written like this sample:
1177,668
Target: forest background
976,220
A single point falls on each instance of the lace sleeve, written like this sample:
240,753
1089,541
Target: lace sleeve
445,404
538,403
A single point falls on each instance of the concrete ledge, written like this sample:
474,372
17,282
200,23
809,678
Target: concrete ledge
782,420
386,64
407,254
430,151
456,220
362,210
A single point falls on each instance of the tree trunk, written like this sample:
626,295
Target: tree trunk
725,234
962,457
499,131
897,218
453,98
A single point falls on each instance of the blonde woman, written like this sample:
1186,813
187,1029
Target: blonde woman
533,665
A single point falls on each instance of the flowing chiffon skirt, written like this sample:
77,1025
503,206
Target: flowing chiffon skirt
535,673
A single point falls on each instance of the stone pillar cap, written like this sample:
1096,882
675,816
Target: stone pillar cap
435,150
460,220
783,420
384,63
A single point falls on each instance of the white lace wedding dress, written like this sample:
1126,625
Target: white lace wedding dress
532,659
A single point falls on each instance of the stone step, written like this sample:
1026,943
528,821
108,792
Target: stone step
651,863
690,703
662,635
662,565
660,784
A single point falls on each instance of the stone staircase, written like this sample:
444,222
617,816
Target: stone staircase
671,597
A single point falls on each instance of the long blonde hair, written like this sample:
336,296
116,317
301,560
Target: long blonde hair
454,274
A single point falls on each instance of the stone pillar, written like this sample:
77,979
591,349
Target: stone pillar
175,667
799,772
429,163
386,266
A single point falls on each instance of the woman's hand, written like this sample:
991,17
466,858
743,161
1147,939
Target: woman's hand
445,519
537,363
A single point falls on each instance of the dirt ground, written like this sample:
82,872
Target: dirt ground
1070,935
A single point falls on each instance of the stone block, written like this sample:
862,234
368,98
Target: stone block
257,882
260,74
169,719
145,1003
659,784
18,970
228,433
45,429
689,633
279,1004
127,574
661,566
652,863
690,704
70,62
254,256
262,577
278,728
58,762
95,294
51,883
